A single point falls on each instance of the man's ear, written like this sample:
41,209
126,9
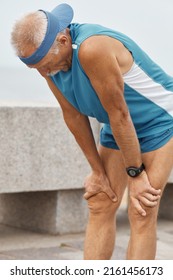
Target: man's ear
62,39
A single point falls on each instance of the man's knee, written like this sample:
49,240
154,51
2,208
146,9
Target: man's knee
143,222
101,203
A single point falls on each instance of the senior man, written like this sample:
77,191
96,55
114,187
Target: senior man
98,72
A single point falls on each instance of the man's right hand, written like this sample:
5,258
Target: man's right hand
95,183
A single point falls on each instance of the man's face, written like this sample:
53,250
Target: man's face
57,61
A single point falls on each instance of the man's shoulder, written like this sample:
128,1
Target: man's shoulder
82,31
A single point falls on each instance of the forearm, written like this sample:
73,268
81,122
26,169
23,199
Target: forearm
81,129
126,138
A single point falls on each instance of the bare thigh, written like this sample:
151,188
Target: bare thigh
159,164
115,169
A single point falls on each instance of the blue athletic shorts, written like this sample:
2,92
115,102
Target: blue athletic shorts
147,144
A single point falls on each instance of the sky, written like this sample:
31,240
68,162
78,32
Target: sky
148,22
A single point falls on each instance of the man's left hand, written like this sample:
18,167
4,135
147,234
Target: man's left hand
142,193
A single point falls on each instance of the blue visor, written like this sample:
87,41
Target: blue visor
57,20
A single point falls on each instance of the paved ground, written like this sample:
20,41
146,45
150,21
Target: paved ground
17,244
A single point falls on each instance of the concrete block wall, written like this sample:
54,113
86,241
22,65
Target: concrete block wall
37,151
41,170
55,212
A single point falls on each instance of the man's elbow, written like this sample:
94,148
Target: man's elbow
73,120
120,115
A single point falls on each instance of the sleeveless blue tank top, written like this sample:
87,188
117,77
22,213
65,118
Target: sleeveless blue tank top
149,97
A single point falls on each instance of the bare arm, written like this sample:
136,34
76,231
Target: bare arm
79,126
101,65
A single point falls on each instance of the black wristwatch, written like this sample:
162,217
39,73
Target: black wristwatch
133,171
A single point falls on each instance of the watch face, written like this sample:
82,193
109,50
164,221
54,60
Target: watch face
132,172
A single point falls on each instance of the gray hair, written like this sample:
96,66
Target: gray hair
30,31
